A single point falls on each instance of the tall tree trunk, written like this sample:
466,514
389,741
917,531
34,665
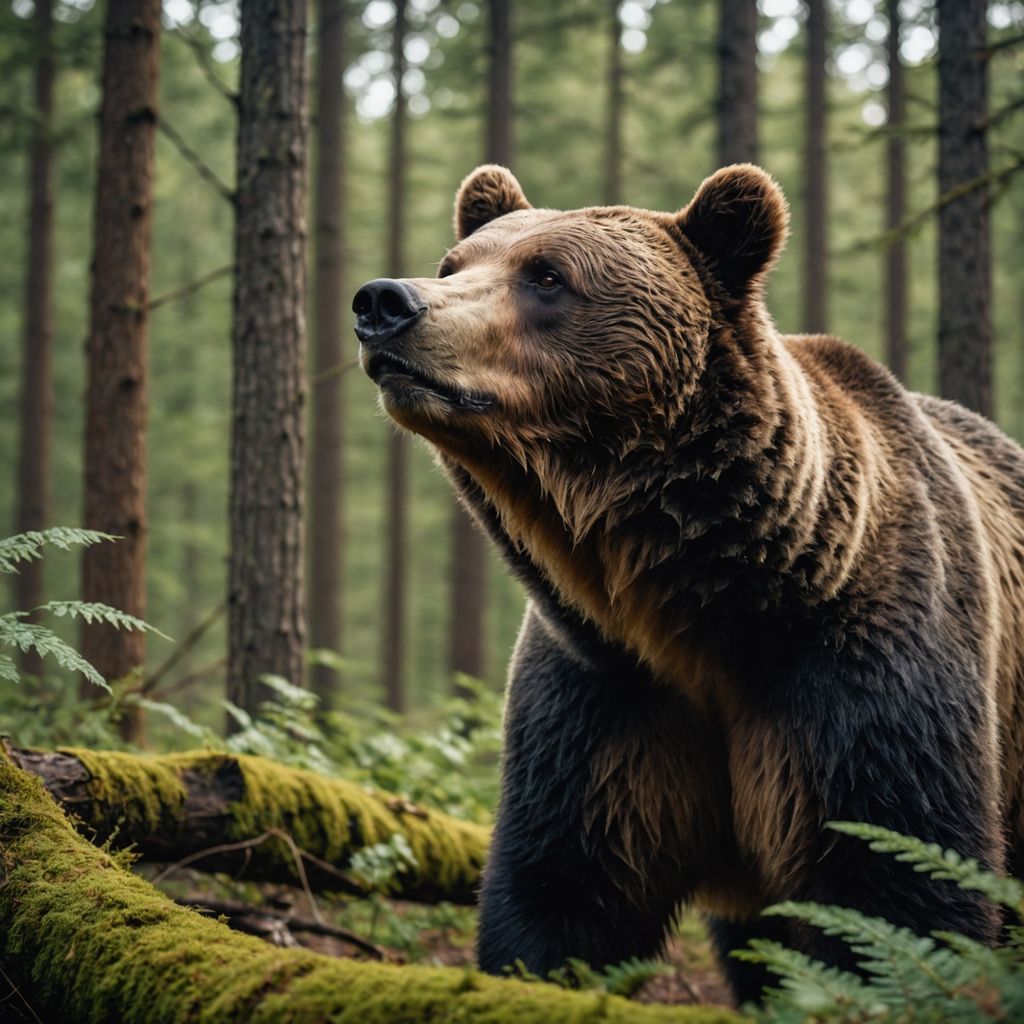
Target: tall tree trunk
965,327
499,83
37,354
116,400
469,555
737,82
896,258
266,614
613,111
815,179
395,593
325,470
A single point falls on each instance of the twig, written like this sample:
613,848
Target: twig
203,60
192,157
191,286
333,371
248,844
191,679
299,924
17,991
908,227
149,684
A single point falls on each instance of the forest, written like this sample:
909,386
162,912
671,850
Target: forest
252,645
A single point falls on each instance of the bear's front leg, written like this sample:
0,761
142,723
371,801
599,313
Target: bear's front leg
586,859
902,741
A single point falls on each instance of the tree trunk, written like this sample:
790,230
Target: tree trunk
37,355
737,82
84,941
816,212
613,114
266,617
397,530
965,327
195,805
116,399
499,83
325,469
466,653
895,257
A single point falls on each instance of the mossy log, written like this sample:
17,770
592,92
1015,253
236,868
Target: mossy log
257,819
84,940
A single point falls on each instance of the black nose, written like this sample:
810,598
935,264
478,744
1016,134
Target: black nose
384,308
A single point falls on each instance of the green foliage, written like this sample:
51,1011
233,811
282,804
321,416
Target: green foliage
624,979
27,547
447,760
943,977
24,636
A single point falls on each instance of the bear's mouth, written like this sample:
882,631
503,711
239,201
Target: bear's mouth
390,371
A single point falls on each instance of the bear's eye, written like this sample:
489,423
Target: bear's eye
547,280
446,269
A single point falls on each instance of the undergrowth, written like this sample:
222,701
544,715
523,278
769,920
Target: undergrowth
940,978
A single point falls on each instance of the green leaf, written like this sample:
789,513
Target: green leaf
29,636
93,611
27,547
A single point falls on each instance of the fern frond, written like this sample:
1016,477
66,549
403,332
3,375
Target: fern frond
29,636
931,859
8,670
93,611
626,978
27,547
809,985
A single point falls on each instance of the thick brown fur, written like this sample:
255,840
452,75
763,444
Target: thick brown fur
769,586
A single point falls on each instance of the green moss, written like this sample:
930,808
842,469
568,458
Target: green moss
87,941
328,818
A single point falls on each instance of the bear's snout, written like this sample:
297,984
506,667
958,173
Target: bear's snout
385,308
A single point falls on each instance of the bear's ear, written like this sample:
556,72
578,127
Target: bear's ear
738,220
489,192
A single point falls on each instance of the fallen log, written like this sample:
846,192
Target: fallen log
85,941
258,820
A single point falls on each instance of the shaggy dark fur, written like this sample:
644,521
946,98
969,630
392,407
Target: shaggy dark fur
769,587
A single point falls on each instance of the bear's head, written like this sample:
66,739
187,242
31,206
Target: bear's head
568,341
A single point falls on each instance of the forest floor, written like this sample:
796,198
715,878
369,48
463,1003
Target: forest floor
401,932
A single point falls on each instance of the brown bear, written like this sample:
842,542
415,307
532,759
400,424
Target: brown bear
768,586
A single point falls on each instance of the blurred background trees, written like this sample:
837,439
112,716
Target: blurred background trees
904,118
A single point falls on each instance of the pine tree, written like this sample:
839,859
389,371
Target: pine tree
117,346
266,614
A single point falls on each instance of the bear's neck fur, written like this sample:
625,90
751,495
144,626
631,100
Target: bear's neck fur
760,504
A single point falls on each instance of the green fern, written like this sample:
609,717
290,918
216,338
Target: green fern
17,633
27,547
29,636
92,611
943,978
812,988
931,859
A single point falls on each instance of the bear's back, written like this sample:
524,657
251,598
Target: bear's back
994,465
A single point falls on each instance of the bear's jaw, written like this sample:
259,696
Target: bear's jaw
406,386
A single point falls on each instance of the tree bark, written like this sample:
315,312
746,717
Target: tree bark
737,82
965,285
815,176
895,209
613,114
326,542
397,529
84,941
37,353
213,809
266,617
499,83
117,347
466,648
